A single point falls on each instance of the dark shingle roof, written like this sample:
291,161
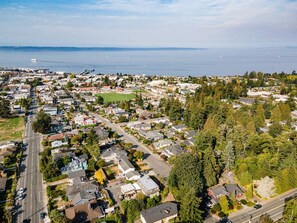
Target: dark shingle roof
159,212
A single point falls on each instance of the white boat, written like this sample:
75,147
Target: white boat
34,60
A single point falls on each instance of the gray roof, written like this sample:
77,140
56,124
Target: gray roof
132,174
147,183
79,173
83,197
175,149
89,187
233,188
125,163
219,190
114,149
159,212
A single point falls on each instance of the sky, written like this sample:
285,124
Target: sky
149,23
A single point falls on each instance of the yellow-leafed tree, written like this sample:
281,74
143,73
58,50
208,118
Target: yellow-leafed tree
100,176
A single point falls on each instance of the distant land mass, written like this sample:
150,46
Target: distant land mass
71,48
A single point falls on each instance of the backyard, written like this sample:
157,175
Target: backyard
11,129
115,97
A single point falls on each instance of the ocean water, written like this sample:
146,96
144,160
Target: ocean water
154,61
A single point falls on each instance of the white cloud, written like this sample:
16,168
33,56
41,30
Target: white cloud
151,23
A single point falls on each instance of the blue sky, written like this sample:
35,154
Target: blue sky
149,23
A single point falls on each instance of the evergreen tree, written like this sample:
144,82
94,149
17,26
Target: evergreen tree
190,208
229,156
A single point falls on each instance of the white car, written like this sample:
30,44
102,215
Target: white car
19,198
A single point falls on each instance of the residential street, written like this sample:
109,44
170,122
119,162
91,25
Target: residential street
274,207
161,168
30,178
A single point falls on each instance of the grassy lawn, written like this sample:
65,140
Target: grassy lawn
111,97
11,129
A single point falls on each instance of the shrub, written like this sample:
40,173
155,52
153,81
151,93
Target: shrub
244,202
250,204
231,207
216,207
221,214
213,211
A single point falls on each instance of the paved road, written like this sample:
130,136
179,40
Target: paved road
273,207
158,165
31,179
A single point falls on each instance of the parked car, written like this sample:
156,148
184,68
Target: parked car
42,215
257,206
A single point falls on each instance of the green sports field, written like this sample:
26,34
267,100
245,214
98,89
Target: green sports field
114,97
11,129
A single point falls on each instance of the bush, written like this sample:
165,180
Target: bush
244,202
231,207
213,211
221,214
216,207
250,204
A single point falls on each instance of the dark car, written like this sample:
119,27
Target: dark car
26,221
42,215
257,206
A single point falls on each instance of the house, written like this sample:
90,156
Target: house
163,143
217,191
113,154
75,174
54,137
58,143
179,128
10,145
82,193
58,156
132,175
152,135
190,134
84,120
172,150
50,110
66,101
139,126
130,189
159,214
101,133
77,163
3,181
88,212
148,186
125,165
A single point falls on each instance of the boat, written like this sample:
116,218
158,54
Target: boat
34,60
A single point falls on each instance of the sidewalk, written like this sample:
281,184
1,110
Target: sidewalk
45,198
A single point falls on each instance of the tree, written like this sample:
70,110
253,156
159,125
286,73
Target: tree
139,155
249,193
290,212
275,129
69,85
25,103
76,140
210,168
186,175
99,175
99,100
229,156
42,123
190,208
259,118
224,203
4,108
265,219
